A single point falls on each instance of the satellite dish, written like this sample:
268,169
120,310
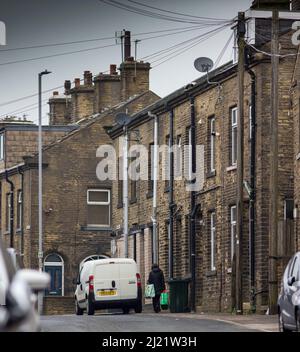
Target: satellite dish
203,64
122,119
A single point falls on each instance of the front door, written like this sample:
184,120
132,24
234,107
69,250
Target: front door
55,273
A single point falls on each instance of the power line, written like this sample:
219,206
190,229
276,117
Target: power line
91,40
219,58
176,13
182,50
55,55
151,13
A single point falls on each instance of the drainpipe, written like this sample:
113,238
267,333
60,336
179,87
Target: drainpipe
252,181
171,197
194,209
155,179
20,171
11,215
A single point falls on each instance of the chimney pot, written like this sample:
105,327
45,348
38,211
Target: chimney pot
55,93
127,44
67,87
113,69
88,78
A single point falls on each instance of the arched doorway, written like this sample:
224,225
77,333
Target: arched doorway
93,257
54,266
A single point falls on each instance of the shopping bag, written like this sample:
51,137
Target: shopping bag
149,291
164,300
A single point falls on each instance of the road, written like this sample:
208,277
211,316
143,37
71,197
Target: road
135,323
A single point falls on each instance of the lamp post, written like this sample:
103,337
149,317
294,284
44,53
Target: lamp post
40,191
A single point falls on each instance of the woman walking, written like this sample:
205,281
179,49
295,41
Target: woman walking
156,278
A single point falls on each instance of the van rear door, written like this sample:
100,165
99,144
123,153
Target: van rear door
128,280
106,281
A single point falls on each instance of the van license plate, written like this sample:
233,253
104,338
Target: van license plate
107,293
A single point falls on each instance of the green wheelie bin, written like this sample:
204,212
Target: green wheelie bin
179,295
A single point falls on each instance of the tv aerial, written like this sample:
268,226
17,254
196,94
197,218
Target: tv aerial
122,119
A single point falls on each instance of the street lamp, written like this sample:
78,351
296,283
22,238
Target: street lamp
40,192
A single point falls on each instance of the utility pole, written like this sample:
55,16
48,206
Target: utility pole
40,184
241,31
273,236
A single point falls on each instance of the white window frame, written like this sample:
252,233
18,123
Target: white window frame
212,240
190,155
233,113
100,203
1,146
62,264
212,165
8,209
233,223
19,204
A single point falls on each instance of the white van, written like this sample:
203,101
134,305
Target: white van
108,283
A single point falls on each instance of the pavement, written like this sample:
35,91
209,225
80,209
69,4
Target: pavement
162,322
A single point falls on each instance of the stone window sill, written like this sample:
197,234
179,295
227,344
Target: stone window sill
95,228
211,174
211,273
231,168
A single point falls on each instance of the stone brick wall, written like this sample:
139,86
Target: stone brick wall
58,305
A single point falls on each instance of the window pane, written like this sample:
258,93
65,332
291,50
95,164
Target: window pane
53,258
234,145
99,215
98,196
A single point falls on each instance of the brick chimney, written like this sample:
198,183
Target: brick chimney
134,78
107,89
60,109
271,4
82,97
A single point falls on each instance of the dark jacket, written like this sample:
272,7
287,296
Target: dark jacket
156,277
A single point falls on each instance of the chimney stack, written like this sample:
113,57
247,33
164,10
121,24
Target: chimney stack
67,87
127,45
88,78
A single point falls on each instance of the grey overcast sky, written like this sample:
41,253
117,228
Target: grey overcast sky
39,22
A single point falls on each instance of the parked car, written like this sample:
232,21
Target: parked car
17,287
289,297
108,283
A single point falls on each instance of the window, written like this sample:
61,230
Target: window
98,202
133,181
8,209
150,168
178,158
212,240
168,163
2,146
288,209
232,230
233,114
212,144
19,209
120,182
190,163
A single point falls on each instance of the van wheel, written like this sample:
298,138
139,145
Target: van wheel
281,323
126,310
78,310
90,308
297,317
139,307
